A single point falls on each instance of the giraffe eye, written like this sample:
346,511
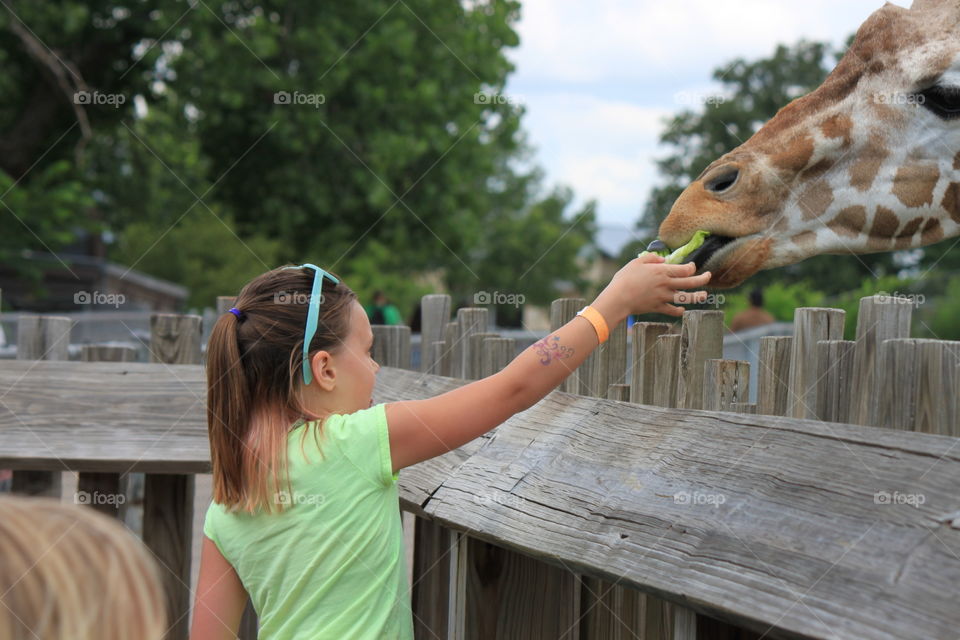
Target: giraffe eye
944,102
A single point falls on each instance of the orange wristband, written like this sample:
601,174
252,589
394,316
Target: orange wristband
596,319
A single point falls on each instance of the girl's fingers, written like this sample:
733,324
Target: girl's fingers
671,310
691,282
680,270
687,297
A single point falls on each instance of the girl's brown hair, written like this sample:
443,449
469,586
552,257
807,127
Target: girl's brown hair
254,381
71,573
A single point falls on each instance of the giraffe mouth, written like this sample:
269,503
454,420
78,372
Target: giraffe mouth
704,252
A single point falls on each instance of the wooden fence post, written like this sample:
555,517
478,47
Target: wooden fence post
880,318
644,340
810,325
834,370
391,345
656,359
666,357
41,338
470,320
701,339
105,492
918,385
725,382
773,377
168,497
494,588
434,316
562,311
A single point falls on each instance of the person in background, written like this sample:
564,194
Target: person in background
754,316
382,311
69,572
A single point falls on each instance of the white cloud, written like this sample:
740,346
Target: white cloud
597,78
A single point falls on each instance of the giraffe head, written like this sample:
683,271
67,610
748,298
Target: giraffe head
867,162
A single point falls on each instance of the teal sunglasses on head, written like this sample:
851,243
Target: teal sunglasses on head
313,313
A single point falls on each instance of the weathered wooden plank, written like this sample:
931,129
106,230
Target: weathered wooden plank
616,356
917,387
434,315
810,325
619,392
835,360
666,362
644,339
773,377
391,345
175,338
168,498
477,343
470,320
41,338
879,318
562,311
725,382
496,354
701,339
819,513
452,361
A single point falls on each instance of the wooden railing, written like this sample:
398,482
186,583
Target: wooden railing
588,517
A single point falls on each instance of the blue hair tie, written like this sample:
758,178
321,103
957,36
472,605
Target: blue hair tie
240,314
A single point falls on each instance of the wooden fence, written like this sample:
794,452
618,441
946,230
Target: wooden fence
654,504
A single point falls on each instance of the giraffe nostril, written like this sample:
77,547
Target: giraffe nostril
722,179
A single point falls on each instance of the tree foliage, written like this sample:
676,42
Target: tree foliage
373,138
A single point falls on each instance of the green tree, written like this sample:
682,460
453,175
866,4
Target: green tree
373,138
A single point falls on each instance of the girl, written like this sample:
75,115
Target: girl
305,515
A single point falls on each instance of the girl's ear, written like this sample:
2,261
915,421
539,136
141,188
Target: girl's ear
324,373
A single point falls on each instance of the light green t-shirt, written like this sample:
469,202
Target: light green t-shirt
332,565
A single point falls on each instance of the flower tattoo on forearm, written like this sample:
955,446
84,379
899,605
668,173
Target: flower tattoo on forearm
550,349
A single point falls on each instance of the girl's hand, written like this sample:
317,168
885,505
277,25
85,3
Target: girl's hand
647,285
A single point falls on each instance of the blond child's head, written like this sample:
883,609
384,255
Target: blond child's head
68,572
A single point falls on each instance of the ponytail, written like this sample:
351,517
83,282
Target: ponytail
228,409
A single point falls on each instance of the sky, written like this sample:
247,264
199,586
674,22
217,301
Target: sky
597,78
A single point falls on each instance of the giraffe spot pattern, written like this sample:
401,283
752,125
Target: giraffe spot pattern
914,184
849,222
796,156
951,200
905,235
815,200
885,224
838,126
865,169
932,232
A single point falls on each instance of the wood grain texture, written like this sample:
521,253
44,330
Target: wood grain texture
562,311
643,340
725,382
434,315
591,485
41,338
879,318
810,325
773,377
666,364
701,339
835,359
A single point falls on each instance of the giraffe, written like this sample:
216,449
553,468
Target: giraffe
867,162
